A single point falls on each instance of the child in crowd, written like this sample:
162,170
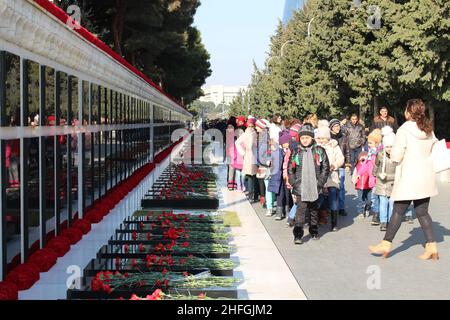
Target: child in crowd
384,171
277,183
336,160
374,142
364,182
308,171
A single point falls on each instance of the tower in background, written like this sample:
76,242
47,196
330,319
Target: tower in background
289,7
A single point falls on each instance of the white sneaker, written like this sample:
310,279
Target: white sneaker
269,213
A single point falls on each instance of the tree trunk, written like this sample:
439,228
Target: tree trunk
431,112
375,106
118,24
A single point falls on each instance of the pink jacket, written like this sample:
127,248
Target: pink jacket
364,171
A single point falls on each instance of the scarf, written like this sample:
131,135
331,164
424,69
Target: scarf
309,192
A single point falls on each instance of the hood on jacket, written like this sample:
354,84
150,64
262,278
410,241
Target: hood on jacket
331,144
412,128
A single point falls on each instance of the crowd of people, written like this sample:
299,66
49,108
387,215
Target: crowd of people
297,170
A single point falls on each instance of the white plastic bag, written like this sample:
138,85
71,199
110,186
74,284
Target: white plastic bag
441,156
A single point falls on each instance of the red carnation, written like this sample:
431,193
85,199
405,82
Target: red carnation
117,261
141,248
142,225
201,296
94,216
134,235
59,244
126,248
185,244
8,291
74,235
44,259
149,236
133,263
83,225
201,216
24,276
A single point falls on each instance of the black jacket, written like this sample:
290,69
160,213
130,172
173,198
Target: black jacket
356,135
342,139
322,166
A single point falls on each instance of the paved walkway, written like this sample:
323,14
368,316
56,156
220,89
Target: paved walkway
264,272
339,266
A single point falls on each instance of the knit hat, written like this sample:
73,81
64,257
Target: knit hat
334,122
375,136
306,130
251,122
323,123
285,137
295,129
262,123
323,132
388,136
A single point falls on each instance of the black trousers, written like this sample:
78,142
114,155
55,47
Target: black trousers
261,188
421,207
304,208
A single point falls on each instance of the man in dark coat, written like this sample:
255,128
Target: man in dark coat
308,171
383,120
338,134
356,138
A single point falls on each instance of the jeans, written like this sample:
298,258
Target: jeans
365,196
323,202
354,153
421,208
284,197
231,174
375,203
270,196
342,189
333,199
249,183
386,207
239,176
410,211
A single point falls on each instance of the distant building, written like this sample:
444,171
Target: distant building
221,94
290,7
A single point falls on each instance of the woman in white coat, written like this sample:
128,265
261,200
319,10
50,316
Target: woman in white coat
336,159
246,147
415,177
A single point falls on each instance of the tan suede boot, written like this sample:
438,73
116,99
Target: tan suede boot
430,252
383,248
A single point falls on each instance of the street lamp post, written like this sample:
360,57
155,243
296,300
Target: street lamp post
309,27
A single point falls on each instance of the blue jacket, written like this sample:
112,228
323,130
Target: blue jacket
276,171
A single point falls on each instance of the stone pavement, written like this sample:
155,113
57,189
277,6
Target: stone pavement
339,265
264,272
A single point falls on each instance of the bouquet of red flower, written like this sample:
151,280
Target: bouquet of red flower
44,259
24,276
8,291
60,244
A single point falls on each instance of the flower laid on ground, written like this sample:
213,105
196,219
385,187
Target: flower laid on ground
24,276
8,291
59,244
44,259
83,225
73,234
